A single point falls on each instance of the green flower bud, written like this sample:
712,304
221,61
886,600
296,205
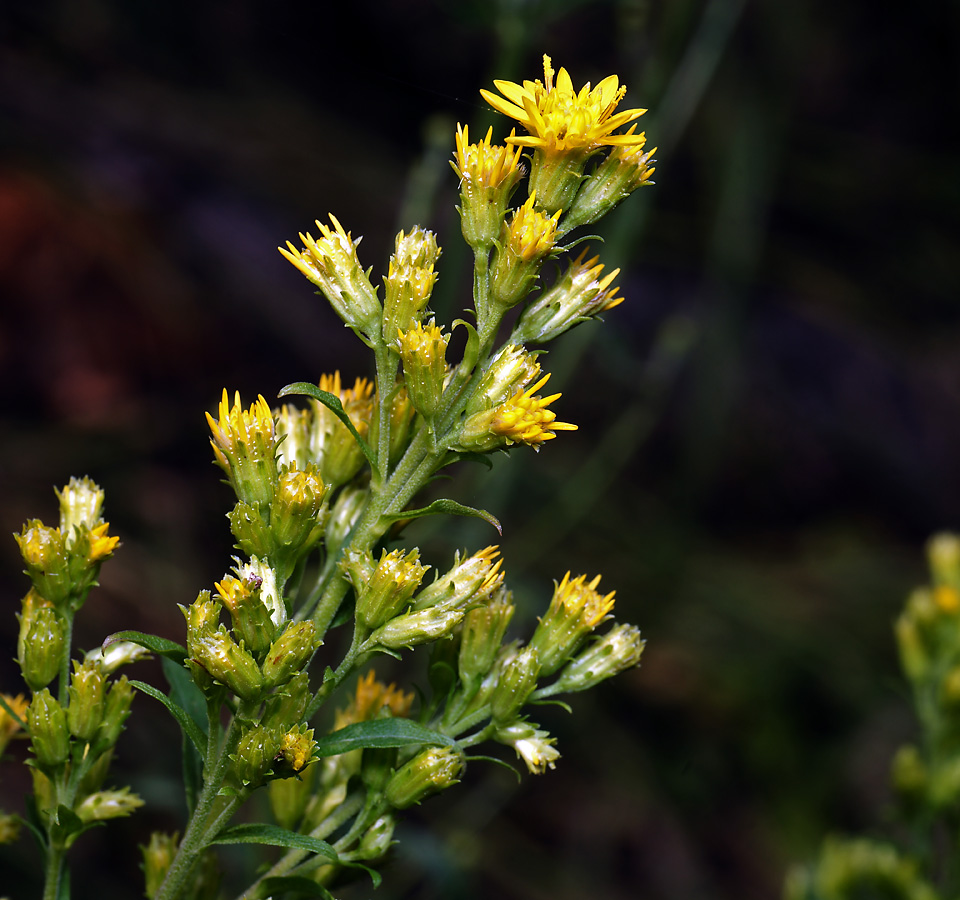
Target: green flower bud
518,680
296,518
157,858
482,634
45,554
525,241
41,644
286,707
430,771
619,649
943,553
203,617
415,628
49,736
409,281
289,653
81,502
251,531
468,583
228,663
114,655
85,711
389,587
423,351
511,370
377,838
116,711
909,774
256,754
350,503
108,805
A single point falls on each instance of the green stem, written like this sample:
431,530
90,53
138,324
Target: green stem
386,375
54,872
343,813
64,683
197,833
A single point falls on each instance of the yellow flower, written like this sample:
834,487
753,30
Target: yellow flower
523,419
331,263
486,165
245,446
561,119
372,696
576,609
101,544
530,234
9,725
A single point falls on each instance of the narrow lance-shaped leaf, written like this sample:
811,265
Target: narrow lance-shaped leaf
445,507
190,728
162,646
331,402
391,732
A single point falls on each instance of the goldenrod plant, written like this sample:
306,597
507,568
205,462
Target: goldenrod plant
321,588
925,863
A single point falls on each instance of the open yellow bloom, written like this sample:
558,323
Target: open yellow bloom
245,446
102,545
523,419
561,119
9,725
372,696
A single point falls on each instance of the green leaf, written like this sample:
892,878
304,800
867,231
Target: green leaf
482,458
294,885
391,732
275,836
332,402
446,507
471,353
185,693
189,727
162,646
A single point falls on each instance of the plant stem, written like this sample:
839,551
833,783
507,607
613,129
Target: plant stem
196,835
54,872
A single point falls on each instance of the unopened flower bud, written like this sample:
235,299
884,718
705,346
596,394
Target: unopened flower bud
518,680
228,663
481,636
256,754
430,771
157,858
470,581
286,707
87,700
116,711
81,502
47,560
511,370
49,736
423,352
619,649
203,616
625,169
914,657
289,653
296,518
943,552
409,281
108,805
389,587
415,628
41,644
377,838
247,525
909,774
338,454
349,504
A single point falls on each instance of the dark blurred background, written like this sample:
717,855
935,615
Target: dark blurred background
769,423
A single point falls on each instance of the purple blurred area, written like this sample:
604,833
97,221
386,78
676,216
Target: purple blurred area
769,425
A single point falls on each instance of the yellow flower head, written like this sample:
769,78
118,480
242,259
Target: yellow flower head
245,446
523,419
296,747
560,119
531,234
9,725
579,597
486,165
331,263
102,545
370,698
